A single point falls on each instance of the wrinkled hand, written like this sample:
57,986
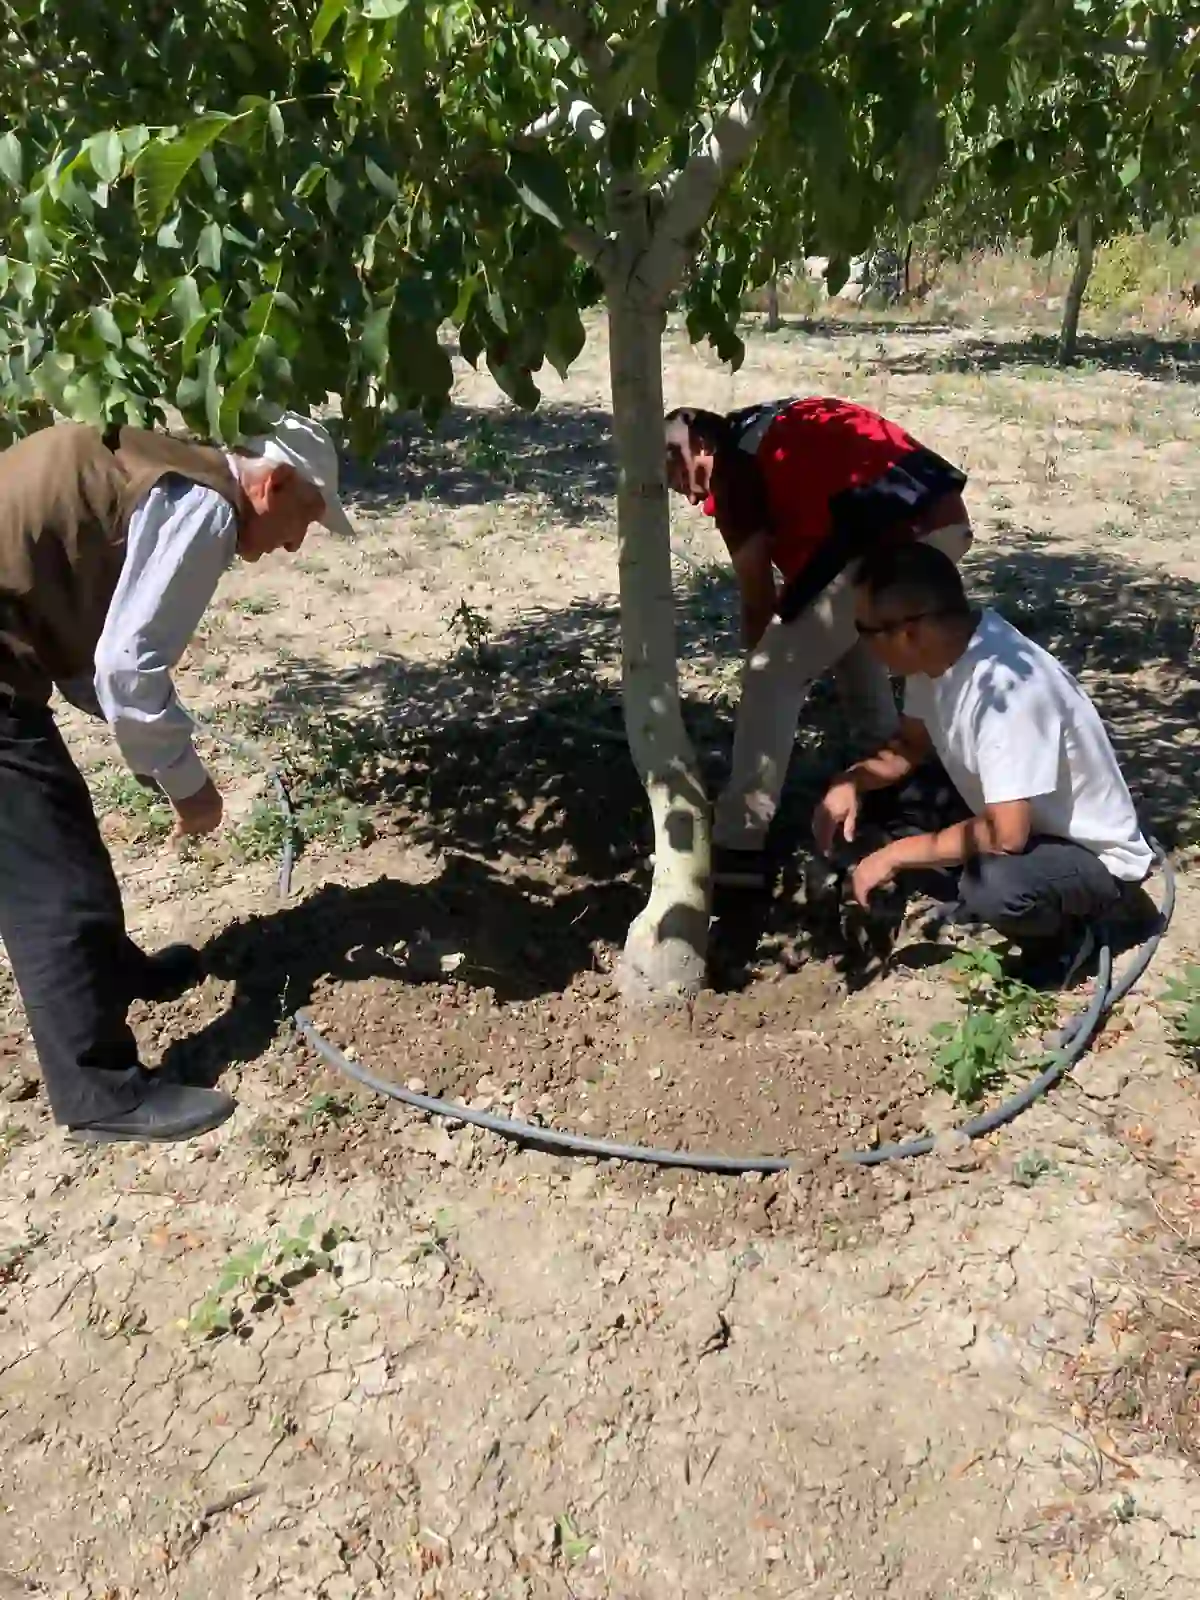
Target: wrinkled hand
839,809
199,813
875,871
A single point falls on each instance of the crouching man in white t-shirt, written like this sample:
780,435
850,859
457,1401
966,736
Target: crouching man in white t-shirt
1036,833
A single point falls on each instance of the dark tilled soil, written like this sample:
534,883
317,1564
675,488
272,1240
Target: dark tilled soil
777,1068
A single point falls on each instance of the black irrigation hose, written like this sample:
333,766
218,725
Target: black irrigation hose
1073,1042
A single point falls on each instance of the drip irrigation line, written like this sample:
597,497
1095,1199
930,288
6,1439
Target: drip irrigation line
1073,1041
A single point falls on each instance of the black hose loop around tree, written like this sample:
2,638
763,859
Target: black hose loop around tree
1072,1044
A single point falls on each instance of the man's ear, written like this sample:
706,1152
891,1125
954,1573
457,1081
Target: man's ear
279,479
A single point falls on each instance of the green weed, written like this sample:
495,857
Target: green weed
263,1276
256,605
471,629
326,1108
975,1053
1181,998
485,453
11,1135
264,833
15,1257
121,791
573,1545
1031,1166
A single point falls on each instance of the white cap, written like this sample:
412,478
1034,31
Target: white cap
307,446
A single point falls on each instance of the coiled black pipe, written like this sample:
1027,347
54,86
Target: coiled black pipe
1073,1042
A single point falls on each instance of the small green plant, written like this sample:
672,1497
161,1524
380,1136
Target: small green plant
11,1135
326,1108
121,791
1181,998
262,1276
263,834
255,605
472,630
485,453
14,1257
337,822
975,1053
573,1545
1029,1167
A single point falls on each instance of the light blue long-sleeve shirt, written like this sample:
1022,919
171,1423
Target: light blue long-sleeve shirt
181,539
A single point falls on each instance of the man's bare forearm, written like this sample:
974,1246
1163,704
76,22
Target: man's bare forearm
888,766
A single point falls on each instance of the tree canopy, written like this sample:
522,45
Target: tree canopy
221,204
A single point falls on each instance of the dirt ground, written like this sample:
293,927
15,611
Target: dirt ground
481,1371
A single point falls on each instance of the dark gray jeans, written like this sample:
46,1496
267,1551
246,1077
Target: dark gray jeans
62,923
1054,884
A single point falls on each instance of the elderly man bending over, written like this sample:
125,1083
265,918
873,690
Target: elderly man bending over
111,546
1035,833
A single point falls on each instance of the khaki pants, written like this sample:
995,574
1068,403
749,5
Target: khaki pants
778,674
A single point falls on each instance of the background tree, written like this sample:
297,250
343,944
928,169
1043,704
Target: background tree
227,206
1106,143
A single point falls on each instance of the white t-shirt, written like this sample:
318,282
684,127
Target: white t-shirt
1010,723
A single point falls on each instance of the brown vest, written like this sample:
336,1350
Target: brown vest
66,497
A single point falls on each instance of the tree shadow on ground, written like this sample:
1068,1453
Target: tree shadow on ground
503,931
1175,361
479,455
848,328
516,769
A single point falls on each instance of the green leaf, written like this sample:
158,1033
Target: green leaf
565,336
208,248
358,47
374,342
275,123
419,360
331,11
1131,171
381,180
164,164
309,182
380,10
541,184
678,64
105,325
107,156
12,161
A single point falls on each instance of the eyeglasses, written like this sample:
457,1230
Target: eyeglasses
877,630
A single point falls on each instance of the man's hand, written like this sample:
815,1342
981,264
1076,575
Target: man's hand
199,813
839,809
873,872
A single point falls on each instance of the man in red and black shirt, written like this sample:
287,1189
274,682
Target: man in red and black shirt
803,489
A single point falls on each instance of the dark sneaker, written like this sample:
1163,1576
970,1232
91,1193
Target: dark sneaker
741,869
169,973
1054,964
167,1112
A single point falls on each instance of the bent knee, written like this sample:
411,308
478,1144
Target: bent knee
995,890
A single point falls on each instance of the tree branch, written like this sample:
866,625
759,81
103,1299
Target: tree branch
696,188
569,22
587,244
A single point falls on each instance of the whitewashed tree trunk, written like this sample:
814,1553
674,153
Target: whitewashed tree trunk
665,953
1085,245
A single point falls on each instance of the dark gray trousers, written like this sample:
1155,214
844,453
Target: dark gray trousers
1051,886
62,923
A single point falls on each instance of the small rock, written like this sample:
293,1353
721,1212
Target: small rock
353,1262
896,1221
19,1085
1105,1077
954,1150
